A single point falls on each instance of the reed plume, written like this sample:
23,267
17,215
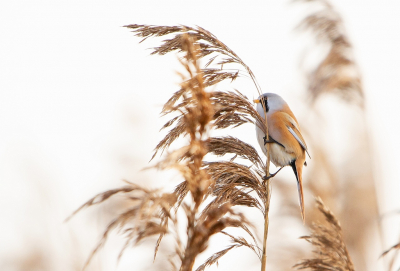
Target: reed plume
334,85
396,249
232,109
142,218
330,250
396,246
226,183
337,72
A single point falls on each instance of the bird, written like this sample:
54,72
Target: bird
287,145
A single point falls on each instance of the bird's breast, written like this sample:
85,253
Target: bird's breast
279,156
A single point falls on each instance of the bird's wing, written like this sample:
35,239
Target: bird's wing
299,139
295,131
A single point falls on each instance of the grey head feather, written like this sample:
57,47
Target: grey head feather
274,102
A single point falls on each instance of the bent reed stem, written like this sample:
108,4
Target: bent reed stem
266,224
266,208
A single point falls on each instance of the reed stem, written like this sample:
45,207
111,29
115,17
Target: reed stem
266,224
266,209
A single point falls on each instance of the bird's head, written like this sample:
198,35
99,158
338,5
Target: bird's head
269,102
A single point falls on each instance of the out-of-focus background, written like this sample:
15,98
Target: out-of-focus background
79,112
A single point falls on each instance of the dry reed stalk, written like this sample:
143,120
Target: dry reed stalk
268,190
329,248
267,203
266,223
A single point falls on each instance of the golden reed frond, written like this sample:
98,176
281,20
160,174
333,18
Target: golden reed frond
338,71
329,248
231,109
142,219
234,181
221,146
208,45
237,242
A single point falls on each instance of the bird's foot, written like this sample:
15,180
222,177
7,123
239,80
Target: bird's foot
267,141
265,178
271,140
268,177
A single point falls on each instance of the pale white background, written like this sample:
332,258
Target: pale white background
79,103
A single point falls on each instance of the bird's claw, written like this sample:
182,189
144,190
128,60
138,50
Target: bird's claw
271,140
265,178
266,141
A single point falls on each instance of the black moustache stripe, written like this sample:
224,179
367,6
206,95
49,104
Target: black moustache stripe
265,103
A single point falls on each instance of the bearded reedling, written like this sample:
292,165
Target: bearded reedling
287,145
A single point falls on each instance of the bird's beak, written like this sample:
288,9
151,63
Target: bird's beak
257,101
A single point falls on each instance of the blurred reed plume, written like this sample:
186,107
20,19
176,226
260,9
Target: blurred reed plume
342,171
139,221
337,72
395,248
330,250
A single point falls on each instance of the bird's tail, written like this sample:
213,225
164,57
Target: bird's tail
297,167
